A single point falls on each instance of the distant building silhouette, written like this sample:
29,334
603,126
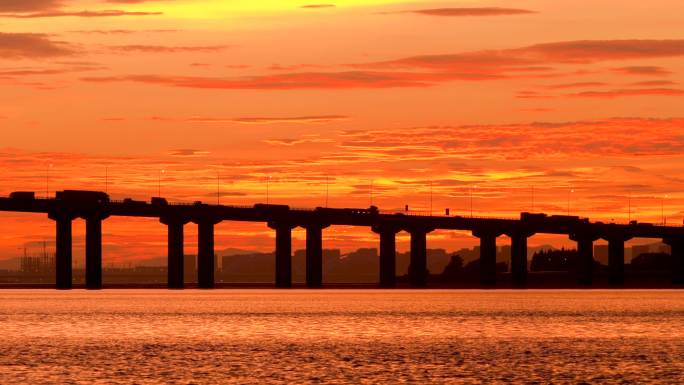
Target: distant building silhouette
190,268
652,262
554,260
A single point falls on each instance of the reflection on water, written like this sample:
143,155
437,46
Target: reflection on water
341,336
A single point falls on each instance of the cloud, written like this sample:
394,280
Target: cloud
121,31
32,46
575,85
292,142
428,70
643,70
303,80
317,6
58,13
188,152
272,120
542,140
29,5
654,83
460,12
611,94
167,49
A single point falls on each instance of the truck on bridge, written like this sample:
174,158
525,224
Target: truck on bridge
82,196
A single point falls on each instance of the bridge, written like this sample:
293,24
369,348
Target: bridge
95,207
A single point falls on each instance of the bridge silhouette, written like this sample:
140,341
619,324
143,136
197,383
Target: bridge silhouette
94,207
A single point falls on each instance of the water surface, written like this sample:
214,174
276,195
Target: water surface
341,336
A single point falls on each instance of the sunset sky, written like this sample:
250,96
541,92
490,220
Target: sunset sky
560,106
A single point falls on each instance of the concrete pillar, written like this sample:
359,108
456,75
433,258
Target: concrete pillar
418,272
585,258
616,261
175,252
314,255
487,258
63,245
388,254
205,254
283,254
518,259
677,254
93,268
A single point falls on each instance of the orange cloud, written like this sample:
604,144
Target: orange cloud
167,49
643,70
317,6
485,11
428,70
32,46
29,5
271,120
610,94
57,13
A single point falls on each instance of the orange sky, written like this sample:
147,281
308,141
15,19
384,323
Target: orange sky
487,98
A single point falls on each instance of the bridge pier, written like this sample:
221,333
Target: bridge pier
585,257
93,257
487,256
418,272
616,260
314,255
388,254
283,253
175,252
63,250
677,254
205,252
518,259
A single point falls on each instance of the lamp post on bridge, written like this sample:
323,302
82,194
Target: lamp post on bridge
662,209
471,200
47,180
159,176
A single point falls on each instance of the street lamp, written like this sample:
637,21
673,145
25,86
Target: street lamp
218,187
431,198
471,200
159,176
662,209
268,181
47,180
327,191
371,192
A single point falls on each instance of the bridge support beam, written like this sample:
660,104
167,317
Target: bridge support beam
205,253
63,253
388,255
283,254
418,272
175,252
93,257
518,259
677,254
585,258
487,257
616,260
314,255
63,248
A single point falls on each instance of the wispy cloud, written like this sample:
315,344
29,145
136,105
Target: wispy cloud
428,70
167,48
60,13
464,12
32,46
611,94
